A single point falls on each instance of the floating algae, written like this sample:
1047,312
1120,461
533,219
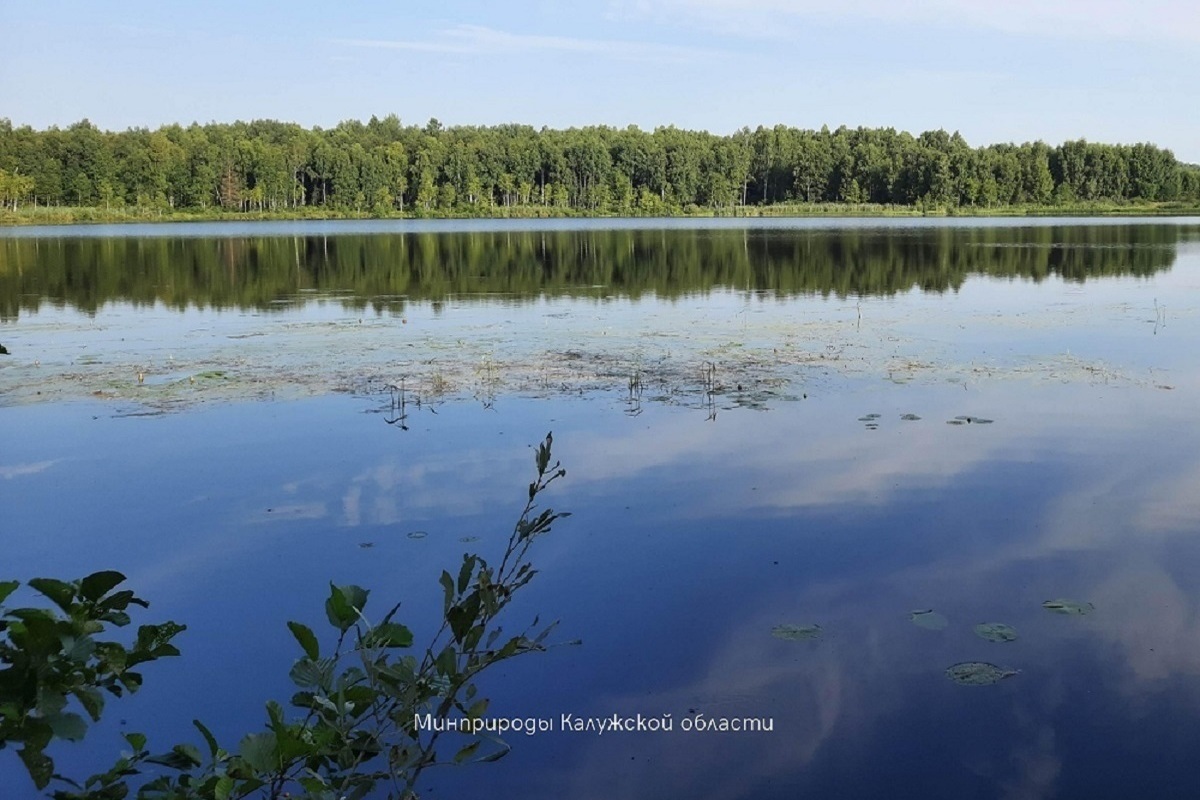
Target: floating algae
978,673
995,632
928,619
796,633
1068,607
909,417
417,534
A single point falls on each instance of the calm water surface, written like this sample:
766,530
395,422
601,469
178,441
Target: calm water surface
706,512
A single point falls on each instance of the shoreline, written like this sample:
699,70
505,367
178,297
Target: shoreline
70,215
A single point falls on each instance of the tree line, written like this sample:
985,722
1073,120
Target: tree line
386,168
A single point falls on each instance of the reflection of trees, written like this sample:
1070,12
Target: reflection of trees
386,270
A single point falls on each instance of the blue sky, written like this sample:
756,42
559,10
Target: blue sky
1106,70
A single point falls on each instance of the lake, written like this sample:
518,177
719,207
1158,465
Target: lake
895,430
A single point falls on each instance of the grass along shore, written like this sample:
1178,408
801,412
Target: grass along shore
74,215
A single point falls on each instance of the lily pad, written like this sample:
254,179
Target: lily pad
796,633
909,417
955,422
417,534
928,619
1061,606
996,632
978,673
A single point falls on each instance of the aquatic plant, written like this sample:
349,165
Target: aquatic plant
928,619
978,673
371,714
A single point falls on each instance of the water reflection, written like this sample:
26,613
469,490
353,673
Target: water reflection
688,545
386,272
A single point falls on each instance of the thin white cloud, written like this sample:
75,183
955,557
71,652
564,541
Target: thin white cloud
16,470
1145,20
479,40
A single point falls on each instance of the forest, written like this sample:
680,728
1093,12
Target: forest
385,168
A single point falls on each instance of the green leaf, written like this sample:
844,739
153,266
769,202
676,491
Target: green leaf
67,726
260,751
391,634
448,587
79,649
7,588
468,751
447,662
541,637
153,639
118,618
136,740
388,616
62,594
344,606
91,700
50,701
313,784
463,616
465,572
292,745
39,765
495,755
98,584
275,715
306,638
181,757
119,601
309,674
208,738
223,788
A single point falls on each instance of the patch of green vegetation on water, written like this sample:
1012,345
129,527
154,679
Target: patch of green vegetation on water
996,632
928,619
797,633
1072,607
978,673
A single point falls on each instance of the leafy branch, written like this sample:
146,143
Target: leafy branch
361,719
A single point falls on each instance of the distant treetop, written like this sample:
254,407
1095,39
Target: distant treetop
384,167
